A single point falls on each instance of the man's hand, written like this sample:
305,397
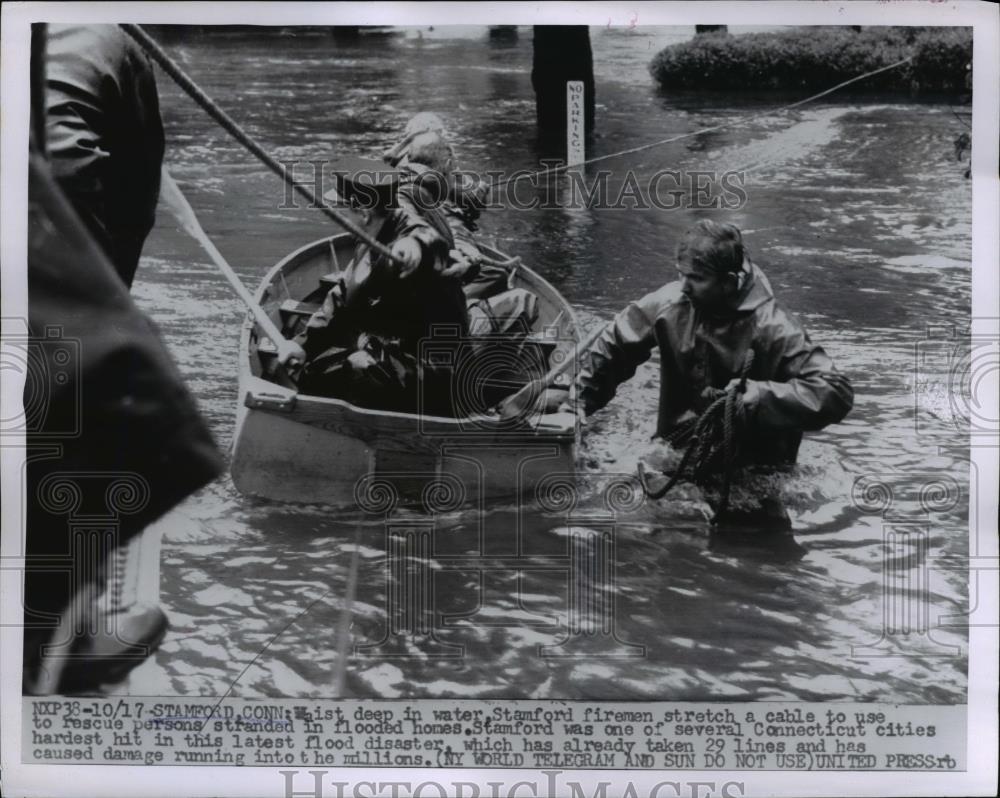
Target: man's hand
751,397
408,254
291,354
555,400
458,264
462,259
361,360
469,251
558,400
708,396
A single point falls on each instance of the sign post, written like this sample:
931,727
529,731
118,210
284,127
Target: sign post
574,123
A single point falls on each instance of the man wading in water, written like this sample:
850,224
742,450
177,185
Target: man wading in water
705,325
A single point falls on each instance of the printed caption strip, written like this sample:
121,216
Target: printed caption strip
493,734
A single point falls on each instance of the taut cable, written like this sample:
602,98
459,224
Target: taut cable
700,131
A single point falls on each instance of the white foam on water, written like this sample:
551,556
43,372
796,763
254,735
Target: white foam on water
926,262
218,595
816,129
287,682
241,561
385,680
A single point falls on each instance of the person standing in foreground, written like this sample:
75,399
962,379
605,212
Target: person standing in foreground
704,325
104,135
113,440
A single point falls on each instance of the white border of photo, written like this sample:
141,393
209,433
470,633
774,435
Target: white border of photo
97,780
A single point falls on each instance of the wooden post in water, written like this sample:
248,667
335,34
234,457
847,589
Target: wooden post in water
503,33
561,54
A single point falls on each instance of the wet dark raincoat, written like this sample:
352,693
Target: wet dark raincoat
104,135
113,437
796,387
374,297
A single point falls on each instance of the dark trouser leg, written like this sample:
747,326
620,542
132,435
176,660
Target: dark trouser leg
770,515
766,529
487,282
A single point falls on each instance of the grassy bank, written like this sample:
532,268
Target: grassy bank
820,57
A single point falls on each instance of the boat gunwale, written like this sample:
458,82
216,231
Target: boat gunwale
444,424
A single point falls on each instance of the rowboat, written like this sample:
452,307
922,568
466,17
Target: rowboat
293,447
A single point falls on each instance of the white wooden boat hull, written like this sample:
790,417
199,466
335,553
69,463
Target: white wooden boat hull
299,448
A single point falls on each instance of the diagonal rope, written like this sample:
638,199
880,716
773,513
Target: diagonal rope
700,131
230,126
343,632
954,113
344,622
260,653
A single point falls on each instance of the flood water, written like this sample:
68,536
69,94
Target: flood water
861,218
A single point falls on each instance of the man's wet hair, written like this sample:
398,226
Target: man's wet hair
432,150
424,122
712,246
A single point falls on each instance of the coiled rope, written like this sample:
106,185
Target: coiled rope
711,442
230,126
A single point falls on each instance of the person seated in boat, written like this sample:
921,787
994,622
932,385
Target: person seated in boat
494,310
429,160
425,144
500,318
364,343
467,192
704,324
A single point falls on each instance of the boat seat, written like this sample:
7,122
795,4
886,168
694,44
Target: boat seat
545,343
291,309
542,339
526,354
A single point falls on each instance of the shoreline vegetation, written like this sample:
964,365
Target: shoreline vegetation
819,58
